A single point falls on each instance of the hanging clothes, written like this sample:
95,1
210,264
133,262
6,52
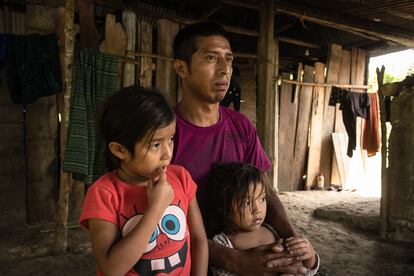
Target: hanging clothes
371,137
352,104
233,95
33,67
95,77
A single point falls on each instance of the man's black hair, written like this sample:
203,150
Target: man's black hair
185,42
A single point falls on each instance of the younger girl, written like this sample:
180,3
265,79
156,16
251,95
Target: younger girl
143,215
237,196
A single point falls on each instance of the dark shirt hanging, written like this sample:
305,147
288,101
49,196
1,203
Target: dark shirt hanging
33,67
233,95
352,104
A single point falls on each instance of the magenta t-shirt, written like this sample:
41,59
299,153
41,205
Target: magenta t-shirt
232,139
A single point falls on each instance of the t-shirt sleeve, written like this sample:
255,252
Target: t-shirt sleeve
100,203
255,154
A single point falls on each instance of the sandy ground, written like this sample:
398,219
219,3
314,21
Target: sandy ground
342,226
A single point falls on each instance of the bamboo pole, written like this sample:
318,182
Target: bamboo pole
61,239
327,84
384,155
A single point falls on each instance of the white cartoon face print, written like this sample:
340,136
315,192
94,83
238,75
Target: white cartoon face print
167,247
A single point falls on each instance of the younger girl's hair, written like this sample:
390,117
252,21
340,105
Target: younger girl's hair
228,183
129,115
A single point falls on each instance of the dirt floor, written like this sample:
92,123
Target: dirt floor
342,226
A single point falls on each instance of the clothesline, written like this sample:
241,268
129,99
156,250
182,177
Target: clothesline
351,86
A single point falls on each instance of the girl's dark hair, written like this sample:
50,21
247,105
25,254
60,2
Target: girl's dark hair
129,115
229,182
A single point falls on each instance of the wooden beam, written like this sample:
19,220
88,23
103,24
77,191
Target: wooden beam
299,42
368,29
211,11
267,123
242,31
240,4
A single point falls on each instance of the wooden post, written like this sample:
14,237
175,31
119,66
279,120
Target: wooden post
145,46
384,155
129,20
267,111
166,79
61,241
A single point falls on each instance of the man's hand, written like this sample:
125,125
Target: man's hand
267,260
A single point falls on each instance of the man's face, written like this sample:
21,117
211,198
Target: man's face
210,70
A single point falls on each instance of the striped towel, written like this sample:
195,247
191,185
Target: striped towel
95,77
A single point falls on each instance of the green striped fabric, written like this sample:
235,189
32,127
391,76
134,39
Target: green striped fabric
95,77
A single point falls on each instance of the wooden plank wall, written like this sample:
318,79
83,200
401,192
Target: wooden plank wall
334,59
340,163
287,129
41,134
129,20
144,41
302,130
248,92
316,124
166,78
12,158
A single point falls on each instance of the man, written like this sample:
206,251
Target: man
208,133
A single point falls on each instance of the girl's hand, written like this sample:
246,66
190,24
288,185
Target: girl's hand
159,190
302,249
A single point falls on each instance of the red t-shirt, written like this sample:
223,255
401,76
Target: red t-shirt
122,204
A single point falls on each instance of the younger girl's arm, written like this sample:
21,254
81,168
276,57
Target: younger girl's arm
199,245
116,255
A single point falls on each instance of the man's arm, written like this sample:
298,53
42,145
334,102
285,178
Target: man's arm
253,261
276,216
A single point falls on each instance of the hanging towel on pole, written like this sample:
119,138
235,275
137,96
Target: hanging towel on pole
371,137
95,77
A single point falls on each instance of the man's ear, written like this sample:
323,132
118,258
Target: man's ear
118,150
181,68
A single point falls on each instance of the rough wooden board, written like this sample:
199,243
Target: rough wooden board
334,60
316,127
145,46
88,32
40,19
129,21
302,128
298,87
344,78
287,129
340,142
166,78
115,37
248,93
